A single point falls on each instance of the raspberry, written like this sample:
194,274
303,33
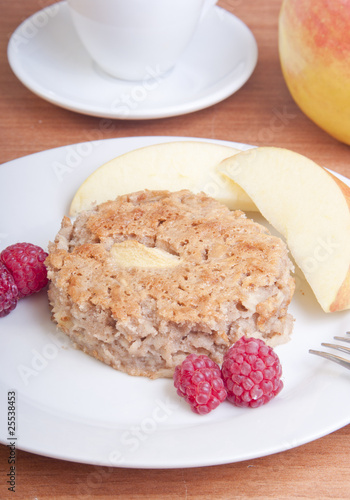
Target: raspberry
8,291
25,262
251,372
198,380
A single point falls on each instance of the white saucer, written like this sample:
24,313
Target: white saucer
48,58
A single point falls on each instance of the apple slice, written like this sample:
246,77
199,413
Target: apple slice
171,166
132,253
310,207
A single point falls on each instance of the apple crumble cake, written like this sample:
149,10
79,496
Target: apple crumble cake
142,281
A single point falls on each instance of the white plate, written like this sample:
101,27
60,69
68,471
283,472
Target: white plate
73,407
47,56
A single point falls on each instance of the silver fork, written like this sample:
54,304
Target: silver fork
332,357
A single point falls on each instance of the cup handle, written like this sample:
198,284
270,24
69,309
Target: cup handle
207,5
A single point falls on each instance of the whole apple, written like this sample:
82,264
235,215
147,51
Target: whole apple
314,48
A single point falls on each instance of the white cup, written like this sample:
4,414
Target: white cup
136,39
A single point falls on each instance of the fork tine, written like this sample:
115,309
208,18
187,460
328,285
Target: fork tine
338,347
332,357
343,339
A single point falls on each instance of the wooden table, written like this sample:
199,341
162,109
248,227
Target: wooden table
261,113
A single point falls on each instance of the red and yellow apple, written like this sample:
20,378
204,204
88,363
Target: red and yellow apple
314,48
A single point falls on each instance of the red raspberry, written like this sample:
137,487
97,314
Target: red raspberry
25,261
198,380
8,291
251,372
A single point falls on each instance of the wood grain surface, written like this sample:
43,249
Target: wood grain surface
261,113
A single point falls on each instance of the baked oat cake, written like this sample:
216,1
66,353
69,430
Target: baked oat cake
141,282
